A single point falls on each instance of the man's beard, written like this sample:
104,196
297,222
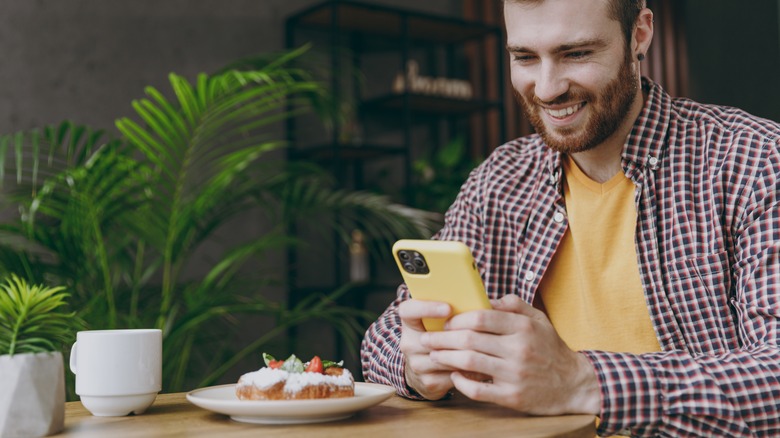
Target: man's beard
607,112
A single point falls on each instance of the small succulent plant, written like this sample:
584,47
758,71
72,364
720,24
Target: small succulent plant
32,319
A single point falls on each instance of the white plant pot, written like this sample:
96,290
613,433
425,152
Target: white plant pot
32,394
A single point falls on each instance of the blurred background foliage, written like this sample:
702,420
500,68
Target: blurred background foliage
118,220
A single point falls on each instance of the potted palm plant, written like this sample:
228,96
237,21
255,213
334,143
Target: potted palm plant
121,220
33,329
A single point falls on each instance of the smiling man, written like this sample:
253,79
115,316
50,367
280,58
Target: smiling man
631,247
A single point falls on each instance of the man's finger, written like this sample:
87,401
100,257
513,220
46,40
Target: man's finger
515,304
413,311
480,390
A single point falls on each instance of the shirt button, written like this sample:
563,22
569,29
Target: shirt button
558,217
529,276
653,161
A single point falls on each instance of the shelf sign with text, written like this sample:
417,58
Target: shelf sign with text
413,82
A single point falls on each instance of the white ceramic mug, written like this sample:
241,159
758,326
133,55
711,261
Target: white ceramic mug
117,371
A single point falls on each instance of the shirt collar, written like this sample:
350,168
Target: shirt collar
645,144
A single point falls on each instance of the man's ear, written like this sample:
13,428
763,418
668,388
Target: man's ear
643,34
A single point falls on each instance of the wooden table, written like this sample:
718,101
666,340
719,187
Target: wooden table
172,415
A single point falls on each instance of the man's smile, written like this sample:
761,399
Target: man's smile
562,113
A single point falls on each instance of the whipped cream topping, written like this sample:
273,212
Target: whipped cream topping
265,378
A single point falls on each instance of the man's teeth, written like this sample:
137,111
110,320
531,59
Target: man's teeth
563,112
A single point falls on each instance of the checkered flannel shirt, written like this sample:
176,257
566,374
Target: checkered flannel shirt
708,247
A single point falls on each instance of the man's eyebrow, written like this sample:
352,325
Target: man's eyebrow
517,49
593,42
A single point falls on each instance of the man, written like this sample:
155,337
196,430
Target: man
631,247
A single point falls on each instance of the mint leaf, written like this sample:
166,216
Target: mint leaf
267,358
329,363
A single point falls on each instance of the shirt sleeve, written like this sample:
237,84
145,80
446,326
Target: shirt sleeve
380,354
381,358
677,394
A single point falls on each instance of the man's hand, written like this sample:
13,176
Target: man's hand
532,369
431,380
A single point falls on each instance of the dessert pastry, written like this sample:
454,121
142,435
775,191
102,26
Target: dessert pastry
291,379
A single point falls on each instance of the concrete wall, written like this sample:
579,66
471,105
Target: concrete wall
85,60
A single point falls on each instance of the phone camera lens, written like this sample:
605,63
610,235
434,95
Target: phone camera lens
412,262
419,264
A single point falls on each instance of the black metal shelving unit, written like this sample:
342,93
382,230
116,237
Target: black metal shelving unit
361,37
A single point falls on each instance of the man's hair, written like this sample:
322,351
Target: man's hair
624,12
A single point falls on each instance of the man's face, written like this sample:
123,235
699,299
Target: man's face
570,70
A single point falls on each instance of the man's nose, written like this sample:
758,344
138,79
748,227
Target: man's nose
551,82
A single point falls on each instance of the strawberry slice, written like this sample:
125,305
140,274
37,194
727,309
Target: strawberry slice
315,365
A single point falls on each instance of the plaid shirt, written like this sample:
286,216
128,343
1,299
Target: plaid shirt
708,247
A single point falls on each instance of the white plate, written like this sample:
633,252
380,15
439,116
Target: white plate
222,399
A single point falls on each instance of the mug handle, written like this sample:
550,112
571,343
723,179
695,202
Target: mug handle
73,358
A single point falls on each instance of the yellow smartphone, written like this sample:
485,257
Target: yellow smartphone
439,270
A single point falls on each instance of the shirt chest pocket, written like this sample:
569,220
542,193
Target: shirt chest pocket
699,297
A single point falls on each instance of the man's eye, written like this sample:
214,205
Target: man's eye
522,58
578,55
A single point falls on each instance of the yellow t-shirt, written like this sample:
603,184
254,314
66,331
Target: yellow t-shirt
592,292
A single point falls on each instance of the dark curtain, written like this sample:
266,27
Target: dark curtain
666,63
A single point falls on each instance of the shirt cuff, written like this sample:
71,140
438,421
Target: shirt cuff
398,361
631,395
